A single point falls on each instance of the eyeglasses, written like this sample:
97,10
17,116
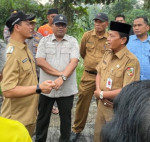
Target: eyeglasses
61,25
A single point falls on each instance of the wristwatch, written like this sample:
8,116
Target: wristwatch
101,95
64,78
38,90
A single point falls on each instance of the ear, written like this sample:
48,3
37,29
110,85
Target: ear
16,27
123,40
147,27
47,17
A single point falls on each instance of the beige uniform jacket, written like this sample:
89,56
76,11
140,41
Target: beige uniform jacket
92,49
19,70
118,70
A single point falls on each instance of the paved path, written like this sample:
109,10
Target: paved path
87,133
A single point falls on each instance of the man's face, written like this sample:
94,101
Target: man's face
50,18
114,41
25,29
100,26
120,19
32,26
59,29
139,27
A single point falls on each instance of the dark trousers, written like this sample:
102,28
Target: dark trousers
45,107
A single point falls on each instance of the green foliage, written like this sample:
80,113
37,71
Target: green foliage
79,71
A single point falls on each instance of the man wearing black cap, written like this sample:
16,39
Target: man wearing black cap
57,56
117,68
92,49
19,83
47,28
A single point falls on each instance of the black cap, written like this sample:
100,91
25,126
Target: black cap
18,17
60,19
120,27
101,16
52,11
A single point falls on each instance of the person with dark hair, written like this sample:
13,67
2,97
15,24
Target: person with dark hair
10,130
33,42
120,18
19,85
57,56
139,45
6,32
92,48
131,120
118,68
47,28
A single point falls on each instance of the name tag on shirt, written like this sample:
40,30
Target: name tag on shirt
109,83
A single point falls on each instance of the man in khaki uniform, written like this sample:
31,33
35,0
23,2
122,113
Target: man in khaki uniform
19,83
92,49
118,68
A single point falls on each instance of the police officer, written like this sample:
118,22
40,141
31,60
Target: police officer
92,49
19,84
118,68
33,42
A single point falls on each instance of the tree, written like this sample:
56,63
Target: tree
147,4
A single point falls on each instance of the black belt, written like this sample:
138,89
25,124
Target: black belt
92,72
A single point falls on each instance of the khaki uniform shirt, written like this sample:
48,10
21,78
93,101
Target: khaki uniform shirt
118,70
58,54
92,49
19,70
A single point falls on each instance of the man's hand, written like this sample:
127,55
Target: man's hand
47,86
97,93
58,82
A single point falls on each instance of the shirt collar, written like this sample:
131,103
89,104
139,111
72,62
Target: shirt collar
54,38
134,37
17,44
104,35
121,53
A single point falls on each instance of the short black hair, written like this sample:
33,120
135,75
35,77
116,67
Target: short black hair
131,121
120,15
124,35
144,18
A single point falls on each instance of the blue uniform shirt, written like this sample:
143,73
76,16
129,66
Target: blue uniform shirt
141,49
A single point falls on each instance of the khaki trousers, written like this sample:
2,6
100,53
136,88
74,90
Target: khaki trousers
31,129
104,114
86,91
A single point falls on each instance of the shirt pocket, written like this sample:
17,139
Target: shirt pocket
50,52
117,78
90,47
26,69
65,54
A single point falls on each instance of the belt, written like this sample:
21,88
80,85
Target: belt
107,103
91,72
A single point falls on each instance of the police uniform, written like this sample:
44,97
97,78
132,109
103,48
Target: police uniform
32,44
92,49
20,70
116,70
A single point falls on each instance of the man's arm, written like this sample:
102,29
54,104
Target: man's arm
106,94
42,63
23,91
67,72
83,46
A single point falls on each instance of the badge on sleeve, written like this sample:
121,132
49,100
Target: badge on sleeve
10,50
130,71
109,83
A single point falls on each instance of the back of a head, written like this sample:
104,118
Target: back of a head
131,121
